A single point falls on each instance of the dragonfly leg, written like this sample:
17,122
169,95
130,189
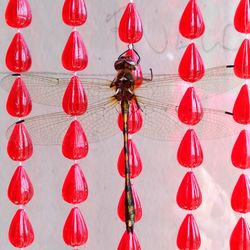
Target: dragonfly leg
147,79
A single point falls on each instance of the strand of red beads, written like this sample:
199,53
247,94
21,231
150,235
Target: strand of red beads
131,32
240,199
75,144
18,60
190,112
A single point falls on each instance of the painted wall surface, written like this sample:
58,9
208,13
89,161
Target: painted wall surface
160,49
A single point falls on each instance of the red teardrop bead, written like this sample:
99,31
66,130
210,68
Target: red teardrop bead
129,241
130,27
135,119
75,100
20,190
20,147
191,68
19,102
18,14
240,237
75,144
18,58
75,188
189,234
189,195
21,232
242,17
241,151
240,199
241,109
75,232
190,110
190,153
74,57
137,205
74,12
191,24
242,59
135,162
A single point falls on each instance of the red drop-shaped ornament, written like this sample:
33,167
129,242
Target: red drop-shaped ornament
240,237
21,232
135,162
75,232
121,210
242,59
190,153
240,199
189,234
18,58
191,68
74,12
190,110
241,109
75,100
129,241
20,190
20,147
135,119
242,17
18,14
189,195
130,27
74,57
241,151
19,102
191,24
75,144
75,188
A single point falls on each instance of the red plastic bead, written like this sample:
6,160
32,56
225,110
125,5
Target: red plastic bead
241,151
189,195
75,188
137,205
20,190
20,147
189,234
129,241
19,103
130,28
191,24
18,58
191,68
75,232
135,162
75,144
241,109
135,119
18,13
240,199
190,153
74,12
242,59
190,110
75,100
21,232
74,57
240,237
242,17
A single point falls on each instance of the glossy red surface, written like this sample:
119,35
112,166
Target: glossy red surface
191,24
129,241
20,147
19,103
130,27
75,232
18,58
242,17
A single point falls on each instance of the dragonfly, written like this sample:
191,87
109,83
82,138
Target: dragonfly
157,98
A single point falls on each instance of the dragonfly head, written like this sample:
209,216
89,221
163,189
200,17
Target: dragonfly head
123,63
